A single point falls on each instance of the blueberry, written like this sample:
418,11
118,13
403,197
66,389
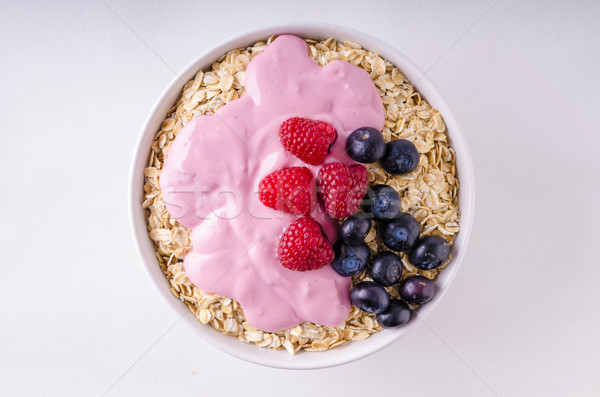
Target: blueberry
382,202
401,233
354,229
430,252
370,297
401,157
365,145
416,290
396,315
350,259
386,268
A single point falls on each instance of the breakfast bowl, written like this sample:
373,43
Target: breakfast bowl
346,352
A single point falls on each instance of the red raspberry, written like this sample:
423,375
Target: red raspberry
342,187
304,247
289,190
307,139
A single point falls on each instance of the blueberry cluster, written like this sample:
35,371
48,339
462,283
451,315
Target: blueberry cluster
366,145
399,232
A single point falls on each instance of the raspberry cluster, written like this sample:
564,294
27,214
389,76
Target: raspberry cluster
294,190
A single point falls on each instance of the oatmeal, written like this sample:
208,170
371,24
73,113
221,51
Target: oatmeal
429,193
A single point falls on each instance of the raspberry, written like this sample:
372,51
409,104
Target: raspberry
342,187
307,139
289,190
304,247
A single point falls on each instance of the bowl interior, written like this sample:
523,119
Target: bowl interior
350,351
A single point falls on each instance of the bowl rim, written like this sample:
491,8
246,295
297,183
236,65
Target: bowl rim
137,215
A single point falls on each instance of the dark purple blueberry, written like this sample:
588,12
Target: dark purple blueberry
430,252
354,229
386,268
401,157
401,233
416,290
370,297
350,259
382,202
365,145
396,315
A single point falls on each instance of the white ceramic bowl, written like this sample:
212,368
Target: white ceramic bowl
348,352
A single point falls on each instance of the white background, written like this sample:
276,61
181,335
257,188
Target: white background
79,317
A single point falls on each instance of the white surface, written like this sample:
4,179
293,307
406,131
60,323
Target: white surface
78,317
351,351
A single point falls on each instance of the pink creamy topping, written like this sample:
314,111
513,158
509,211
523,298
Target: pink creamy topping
211,176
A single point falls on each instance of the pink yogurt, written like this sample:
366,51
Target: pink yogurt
210,179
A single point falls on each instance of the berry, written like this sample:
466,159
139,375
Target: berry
307,139
289,190
430,252
303,246
341,188
365,145
354,230
370,297
401,157
350,259
401,233
416,290
382,201
396,315
386,268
